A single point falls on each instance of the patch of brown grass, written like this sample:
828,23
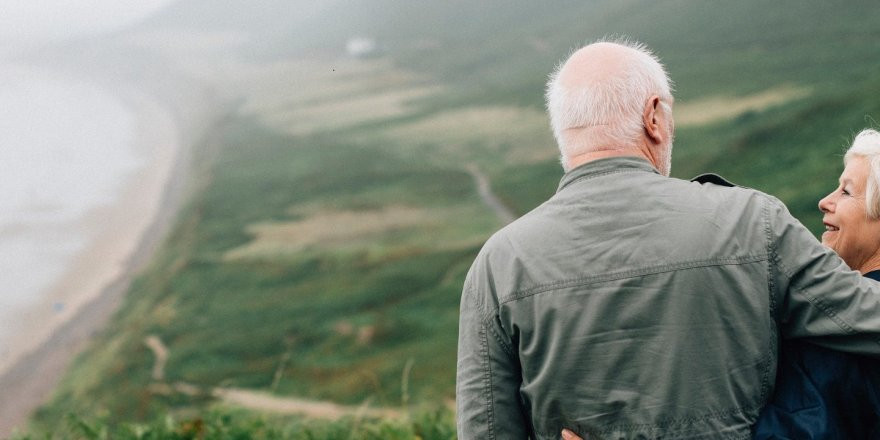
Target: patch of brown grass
302,96
345,112
719,108
327,229
517,133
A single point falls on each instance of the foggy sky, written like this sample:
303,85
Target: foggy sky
24,22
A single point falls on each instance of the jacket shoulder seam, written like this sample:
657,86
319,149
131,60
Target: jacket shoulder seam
486,317
487,381
827,310
649,270
771,250
766,373
504,345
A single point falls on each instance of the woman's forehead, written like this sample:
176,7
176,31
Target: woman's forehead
856,169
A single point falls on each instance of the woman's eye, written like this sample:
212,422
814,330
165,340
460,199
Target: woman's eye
844,192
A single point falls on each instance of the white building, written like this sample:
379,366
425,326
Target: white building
361,47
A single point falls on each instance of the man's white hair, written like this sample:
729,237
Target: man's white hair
867,145
613,106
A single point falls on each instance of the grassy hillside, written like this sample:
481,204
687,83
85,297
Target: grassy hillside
501,51
324,256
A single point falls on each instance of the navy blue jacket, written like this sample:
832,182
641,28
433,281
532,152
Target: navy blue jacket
822,394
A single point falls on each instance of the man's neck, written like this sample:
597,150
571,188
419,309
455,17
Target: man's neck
591,156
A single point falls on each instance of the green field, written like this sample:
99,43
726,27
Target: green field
323,256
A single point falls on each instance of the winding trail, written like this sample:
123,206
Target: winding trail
160,352
267,402
309,408
489,198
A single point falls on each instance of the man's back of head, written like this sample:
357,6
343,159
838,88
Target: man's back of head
597,101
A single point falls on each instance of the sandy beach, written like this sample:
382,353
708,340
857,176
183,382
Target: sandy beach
124,235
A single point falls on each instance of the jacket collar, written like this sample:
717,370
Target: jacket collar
607,165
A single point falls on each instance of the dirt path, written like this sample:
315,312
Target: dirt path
287,405
160,353
489,198
266,402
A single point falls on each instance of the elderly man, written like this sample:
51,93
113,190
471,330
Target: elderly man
634,305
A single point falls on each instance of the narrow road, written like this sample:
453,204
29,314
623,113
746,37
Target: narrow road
160,353
286,405
489,198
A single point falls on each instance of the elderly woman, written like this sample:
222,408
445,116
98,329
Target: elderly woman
822,393
852,210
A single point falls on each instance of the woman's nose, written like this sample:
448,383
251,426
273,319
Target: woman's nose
827,204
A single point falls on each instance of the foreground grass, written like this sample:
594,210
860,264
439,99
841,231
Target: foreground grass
227,424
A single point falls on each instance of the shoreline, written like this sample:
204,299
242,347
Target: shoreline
123,236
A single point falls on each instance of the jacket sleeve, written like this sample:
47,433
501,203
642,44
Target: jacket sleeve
488,377
817,295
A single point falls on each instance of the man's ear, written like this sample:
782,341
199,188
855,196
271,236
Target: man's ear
651,121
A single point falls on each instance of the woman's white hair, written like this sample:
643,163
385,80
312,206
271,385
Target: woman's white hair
614,106
867,145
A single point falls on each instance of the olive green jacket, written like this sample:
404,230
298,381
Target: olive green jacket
632,305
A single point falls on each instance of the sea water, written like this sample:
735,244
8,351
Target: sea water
66,147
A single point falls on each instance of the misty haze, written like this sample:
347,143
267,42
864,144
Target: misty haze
259,215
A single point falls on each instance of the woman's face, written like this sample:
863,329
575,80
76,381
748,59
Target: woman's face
848,231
